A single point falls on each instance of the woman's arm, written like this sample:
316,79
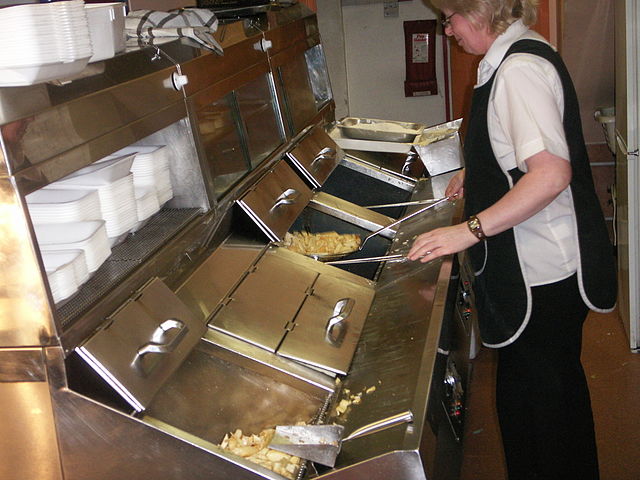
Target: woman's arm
548,175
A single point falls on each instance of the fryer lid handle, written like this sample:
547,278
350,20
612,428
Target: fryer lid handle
326,152
341,311
158,343
288,197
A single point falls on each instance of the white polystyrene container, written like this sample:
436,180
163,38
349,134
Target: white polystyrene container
106,26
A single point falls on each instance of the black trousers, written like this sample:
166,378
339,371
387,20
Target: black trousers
542,395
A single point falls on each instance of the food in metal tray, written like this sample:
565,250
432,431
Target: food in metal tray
380,130
434,135
325,243
255,449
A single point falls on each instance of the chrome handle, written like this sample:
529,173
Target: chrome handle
326,152
407,217
288,197
341,312
406,168
404,417
159,343
383,258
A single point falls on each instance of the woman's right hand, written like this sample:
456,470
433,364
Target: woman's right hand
456,185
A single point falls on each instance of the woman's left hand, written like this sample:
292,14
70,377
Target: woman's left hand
441,241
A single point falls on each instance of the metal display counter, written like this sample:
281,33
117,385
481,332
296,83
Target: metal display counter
202,322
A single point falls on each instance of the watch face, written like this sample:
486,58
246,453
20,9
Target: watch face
474,225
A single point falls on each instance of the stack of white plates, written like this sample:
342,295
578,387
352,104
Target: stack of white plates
60,206
114,184
90,237
151,168
43,41
66,271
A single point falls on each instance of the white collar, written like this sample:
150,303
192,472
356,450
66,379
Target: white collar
499,47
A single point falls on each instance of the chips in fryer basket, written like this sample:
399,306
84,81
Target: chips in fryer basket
324,243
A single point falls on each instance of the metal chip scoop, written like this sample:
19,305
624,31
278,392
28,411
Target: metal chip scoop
322,443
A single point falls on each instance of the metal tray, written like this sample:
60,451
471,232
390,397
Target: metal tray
380,130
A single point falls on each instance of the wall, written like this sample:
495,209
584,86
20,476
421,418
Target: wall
374,61
330,23
587,49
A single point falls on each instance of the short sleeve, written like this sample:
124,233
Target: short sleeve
525,111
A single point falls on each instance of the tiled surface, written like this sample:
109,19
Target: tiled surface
614,379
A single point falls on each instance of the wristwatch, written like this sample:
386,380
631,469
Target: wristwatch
475,227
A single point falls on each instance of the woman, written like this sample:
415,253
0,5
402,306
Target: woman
535,236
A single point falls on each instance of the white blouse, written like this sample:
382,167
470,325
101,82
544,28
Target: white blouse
525,118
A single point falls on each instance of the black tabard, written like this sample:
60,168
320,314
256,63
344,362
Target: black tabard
502,296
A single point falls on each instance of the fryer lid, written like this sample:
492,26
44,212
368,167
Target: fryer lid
276,200
143,343
316,156
298,312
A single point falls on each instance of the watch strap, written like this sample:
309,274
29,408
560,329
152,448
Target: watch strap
475,227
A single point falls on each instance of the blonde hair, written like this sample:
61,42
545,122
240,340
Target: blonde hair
496,14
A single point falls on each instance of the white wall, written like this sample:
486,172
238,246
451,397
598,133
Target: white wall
374,61
330,24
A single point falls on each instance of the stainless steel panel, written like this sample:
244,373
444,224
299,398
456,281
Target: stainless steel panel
405,465
22,365
143,344
297,261
398,347
167,246
291,26
395,169
259,310
278,365
222,150
185,167
216,276
53,131
210,69
98,443
300,103
349,212
328,326
261,118
25,317
276,200
316,156
319,75
28,441
33,176
214,390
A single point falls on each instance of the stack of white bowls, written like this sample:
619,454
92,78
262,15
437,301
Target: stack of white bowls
90,237
113,182
66,265
63,206
66,271
146,205
150,168
43,41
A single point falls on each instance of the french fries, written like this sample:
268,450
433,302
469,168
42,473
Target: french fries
325,243
255,449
